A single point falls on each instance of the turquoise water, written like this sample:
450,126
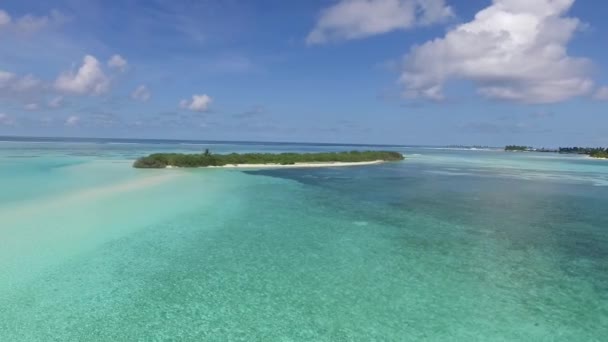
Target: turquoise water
448,245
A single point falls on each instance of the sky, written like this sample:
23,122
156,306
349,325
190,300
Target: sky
417,72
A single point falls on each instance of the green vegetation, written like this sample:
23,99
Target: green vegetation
546,150
162,160
581,150
595,152
600,154
517,148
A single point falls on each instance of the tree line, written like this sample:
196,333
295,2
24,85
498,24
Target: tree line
581,150
517,148
162,160
597,152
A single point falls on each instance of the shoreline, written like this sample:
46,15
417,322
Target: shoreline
287,166
265,160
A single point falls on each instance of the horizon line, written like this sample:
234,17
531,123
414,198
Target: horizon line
42,138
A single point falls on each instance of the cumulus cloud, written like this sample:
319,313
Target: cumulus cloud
26,83
512,50
354,19
31,106
198,103
6,78
117,62
56,102
13,83
72,120
30,23
5,19
6,120
141,93
88,79
601,94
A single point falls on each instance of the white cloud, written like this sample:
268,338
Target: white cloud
72,120
601,94
353,19
6,120
118,62
5,19
199,103
56,102
89,79
141,93
31,106
26,83
6,78
513,50
12,83
30,23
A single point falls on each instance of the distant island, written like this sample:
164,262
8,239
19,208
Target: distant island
479,147
595,152
600,154
208,159
517,148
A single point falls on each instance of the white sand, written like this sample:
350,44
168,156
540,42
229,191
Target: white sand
296,165
60,201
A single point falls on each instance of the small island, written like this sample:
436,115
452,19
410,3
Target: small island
599,154
208,159
594,152
518,148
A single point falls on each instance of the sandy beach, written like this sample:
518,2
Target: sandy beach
296,165
23,209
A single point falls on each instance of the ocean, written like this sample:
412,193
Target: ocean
447,245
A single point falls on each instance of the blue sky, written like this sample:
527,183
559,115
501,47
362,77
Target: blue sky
363,71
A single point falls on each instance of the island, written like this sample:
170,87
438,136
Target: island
521,148
208,159
518,148
599,154
594,152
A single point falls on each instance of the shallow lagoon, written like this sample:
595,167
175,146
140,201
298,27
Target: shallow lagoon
447,245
